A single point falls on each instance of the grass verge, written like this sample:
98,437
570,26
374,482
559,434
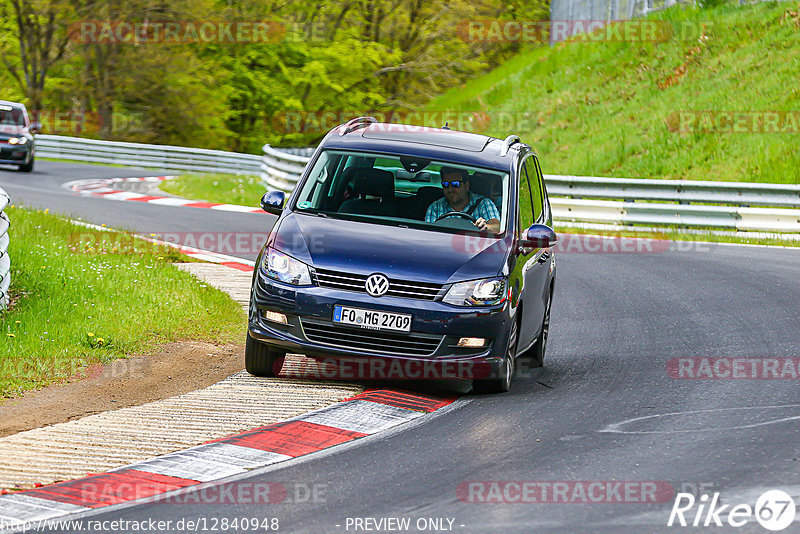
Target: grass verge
244,190
82,296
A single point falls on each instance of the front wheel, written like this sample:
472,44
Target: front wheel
502,383
27,167
540,347
259,360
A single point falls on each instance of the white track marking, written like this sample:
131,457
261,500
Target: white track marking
617,427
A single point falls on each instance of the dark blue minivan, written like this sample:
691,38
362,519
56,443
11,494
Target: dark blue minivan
417,252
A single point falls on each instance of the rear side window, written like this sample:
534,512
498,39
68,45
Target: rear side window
526,217
535,182
540,182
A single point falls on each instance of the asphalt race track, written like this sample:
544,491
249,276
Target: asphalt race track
604,410
43,189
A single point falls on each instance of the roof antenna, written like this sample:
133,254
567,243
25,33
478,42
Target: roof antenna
445,127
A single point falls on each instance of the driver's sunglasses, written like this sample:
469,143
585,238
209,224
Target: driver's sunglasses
454,183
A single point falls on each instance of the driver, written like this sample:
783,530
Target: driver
457,197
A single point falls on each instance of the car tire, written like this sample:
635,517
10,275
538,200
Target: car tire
27,167
502,383
536,353
259,360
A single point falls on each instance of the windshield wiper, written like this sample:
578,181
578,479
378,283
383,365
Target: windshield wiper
313,212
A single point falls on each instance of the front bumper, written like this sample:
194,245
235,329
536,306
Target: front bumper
429,351
14,154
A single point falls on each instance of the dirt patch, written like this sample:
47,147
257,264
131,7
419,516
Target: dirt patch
179,368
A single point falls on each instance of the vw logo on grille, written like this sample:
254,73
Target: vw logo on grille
377,285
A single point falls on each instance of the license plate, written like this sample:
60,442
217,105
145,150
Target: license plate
371,319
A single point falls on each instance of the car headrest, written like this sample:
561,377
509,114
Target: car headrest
429,193
372,182
483,184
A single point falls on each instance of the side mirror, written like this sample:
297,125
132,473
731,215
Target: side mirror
35,128
539,236
272,202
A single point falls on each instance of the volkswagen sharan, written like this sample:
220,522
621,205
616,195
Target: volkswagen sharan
423,252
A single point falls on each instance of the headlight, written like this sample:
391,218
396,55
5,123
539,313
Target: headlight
17,140
281,267
488,292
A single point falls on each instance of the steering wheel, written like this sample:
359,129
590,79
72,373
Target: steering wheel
461,214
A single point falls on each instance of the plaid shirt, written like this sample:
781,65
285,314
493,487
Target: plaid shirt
478,206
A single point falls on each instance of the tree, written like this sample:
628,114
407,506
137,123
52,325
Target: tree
42,36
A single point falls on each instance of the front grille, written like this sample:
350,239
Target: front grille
397,288
371,340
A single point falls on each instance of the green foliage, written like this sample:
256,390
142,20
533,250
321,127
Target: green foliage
333,59
709,4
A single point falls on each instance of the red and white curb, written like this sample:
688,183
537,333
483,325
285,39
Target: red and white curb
210,257
105,188
365,414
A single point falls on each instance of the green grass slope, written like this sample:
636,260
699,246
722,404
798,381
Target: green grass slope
625,109
82,297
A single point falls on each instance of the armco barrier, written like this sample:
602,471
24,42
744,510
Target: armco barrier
281,169
681,191
5,259
143,155
622,201
576,199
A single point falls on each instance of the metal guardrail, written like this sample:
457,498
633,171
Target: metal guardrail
681,191
576,199
281,169
5,259
143,155
622,201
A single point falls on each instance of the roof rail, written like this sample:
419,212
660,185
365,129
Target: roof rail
354,124
507,142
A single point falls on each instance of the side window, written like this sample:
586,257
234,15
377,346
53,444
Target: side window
535,187
526,218
539,184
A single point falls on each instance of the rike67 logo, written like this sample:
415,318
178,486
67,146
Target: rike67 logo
774,510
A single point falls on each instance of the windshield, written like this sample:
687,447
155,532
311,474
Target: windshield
404,190
11,116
